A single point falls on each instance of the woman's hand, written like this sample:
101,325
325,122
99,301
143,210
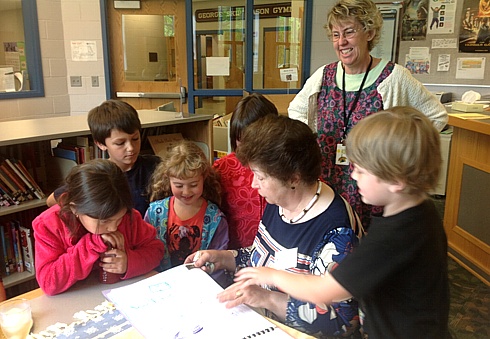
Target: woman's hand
240,293
255,296
212,260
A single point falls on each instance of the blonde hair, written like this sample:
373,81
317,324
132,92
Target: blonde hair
185,160
363,11
397,144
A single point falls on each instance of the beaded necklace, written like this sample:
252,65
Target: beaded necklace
306,209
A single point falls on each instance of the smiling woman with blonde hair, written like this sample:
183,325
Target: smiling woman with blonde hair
338,95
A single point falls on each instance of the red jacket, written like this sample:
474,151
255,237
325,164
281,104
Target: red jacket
60,263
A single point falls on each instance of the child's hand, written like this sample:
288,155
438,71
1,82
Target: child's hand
115,239
114,261
256,276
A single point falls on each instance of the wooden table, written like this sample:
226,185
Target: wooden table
86,295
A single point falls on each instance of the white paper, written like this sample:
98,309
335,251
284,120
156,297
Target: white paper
7,79
182,303
83,51
445,43
443,62
289,74
217,66
419,52
470,68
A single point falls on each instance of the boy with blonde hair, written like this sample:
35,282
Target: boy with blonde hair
399,270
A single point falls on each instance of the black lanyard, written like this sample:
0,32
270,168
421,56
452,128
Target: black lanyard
348,113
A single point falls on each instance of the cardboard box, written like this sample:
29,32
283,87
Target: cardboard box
465,107
161,144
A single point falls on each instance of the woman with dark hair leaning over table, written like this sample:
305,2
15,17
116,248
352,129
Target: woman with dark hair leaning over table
340,94
306,228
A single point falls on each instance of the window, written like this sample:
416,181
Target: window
246,45
19,49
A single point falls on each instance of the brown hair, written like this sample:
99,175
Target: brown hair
248,110
112,114
281,147
397,144
98,189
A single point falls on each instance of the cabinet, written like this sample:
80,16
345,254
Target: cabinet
24,137
467,216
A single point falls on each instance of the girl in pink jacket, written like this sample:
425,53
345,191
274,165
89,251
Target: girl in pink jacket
93,226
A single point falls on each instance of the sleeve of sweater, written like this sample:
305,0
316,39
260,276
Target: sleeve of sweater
221,238
401,89
298,107
142,247
314,319
59,263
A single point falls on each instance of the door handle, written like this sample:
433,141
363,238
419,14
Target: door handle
182,95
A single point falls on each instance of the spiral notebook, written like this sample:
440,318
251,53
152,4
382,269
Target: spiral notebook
181,303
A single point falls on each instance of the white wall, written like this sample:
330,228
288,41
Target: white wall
59,23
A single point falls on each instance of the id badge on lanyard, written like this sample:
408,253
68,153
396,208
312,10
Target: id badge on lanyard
341,155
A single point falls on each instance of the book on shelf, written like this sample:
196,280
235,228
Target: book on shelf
27,249
11,187
19,262
34,191
83,145
19,183
8,200
7,249
4,255
37,189
67,152
83,149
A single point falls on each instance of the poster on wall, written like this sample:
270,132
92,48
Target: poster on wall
414,21
474,36
442,15
418,60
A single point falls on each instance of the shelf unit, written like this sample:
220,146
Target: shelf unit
33,131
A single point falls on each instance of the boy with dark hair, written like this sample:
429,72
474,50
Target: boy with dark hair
116,128
399,270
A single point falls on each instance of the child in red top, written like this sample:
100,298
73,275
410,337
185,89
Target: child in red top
94,217
241,203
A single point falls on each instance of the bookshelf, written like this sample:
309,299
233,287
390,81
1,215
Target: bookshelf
16,136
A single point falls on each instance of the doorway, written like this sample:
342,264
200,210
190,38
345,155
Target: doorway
148,53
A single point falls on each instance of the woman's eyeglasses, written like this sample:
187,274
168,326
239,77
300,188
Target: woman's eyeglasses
349,33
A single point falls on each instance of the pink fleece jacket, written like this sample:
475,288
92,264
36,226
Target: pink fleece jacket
60,263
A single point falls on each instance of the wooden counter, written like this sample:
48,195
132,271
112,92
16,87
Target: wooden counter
467,210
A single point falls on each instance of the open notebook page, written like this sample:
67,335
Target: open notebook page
181,303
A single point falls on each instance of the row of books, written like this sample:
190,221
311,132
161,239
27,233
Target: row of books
16,248
78,149
16,183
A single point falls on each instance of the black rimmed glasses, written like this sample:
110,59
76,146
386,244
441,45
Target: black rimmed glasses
349,33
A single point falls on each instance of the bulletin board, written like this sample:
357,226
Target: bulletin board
445,47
